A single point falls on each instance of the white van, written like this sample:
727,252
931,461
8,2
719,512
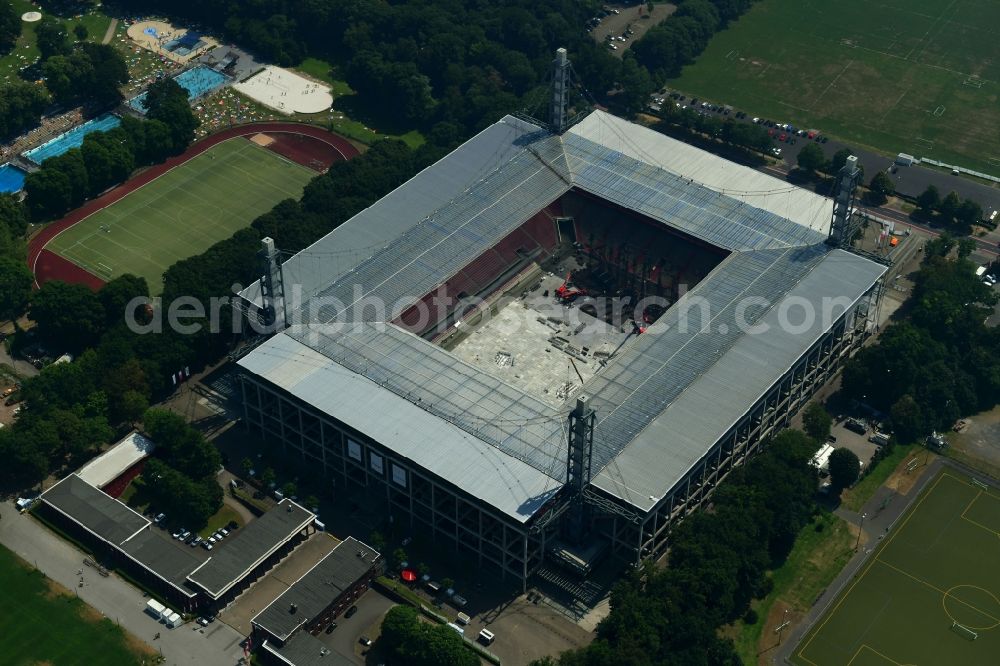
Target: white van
463,619
486,637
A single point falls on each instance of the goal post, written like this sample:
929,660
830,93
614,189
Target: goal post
964,631
980,484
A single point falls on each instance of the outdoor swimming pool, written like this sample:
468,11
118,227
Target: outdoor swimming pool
11,178
197,81
72,138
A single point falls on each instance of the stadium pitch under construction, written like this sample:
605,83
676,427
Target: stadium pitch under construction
555,342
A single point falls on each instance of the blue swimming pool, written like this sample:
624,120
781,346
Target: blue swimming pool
72,138
197,81
11,178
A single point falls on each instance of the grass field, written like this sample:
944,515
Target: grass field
182,212
40,625
914,76
938,567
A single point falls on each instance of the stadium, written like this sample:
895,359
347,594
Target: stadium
537,348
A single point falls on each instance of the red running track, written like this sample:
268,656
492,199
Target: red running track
47,265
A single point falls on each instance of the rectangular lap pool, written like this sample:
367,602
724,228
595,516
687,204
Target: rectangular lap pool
197,81
72,138
11,178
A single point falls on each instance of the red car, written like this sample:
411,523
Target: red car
782,137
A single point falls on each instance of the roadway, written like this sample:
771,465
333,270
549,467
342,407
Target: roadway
909,181
189,644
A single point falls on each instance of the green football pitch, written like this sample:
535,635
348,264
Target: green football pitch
930,595
40,626
913,76
182,213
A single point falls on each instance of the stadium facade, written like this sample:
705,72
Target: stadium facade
472,442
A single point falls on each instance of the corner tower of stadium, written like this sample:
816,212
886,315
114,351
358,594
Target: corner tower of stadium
553,345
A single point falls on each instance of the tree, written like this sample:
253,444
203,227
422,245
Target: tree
132,406
929,199
167,102
290,489
180,445
376,540
816,421
69,316
116,295
447,583
838,160
22,104
267,477
247,466
949,207
907,419
10,27
188,502
51,37
966,246
312,502
49,193
81,32
15,287
844,468
811,158
969,213
398,557
881,187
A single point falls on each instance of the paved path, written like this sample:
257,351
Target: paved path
109,34
218,645
881,511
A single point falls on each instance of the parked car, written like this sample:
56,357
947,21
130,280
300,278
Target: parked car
197,541
351,611
160,517
177,534
364,640
333,625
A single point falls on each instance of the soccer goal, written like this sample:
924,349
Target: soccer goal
979,484
964,631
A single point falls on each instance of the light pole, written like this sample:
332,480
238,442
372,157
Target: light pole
860,527
784,623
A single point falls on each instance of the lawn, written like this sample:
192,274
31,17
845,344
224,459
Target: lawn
182,213
821,550
914,76
928,595
341,120
26,52
222,517
41,625
862,491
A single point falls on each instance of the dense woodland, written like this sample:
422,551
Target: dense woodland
940,363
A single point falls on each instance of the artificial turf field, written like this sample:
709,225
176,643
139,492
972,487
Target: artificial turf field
940,565
42,627
182,213
913,76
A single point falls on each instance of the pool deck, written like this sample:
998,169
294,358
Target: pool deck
166,32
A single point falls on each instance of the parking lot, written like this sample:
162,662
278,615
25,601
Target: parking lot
857,443
634,17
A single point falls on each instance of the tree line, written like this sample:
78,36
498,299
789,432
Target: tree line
717,564
941,362
107,158
410,641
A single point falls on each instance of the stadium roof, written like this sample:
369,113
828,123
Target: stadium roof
95,511
250,546
662,403
317,589
106,467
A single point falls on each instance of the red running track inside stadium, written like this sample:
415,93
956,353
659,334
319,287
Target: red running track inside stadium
47,265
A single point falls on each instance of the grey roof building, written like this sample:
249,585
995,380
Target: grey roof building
321,593
456,443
